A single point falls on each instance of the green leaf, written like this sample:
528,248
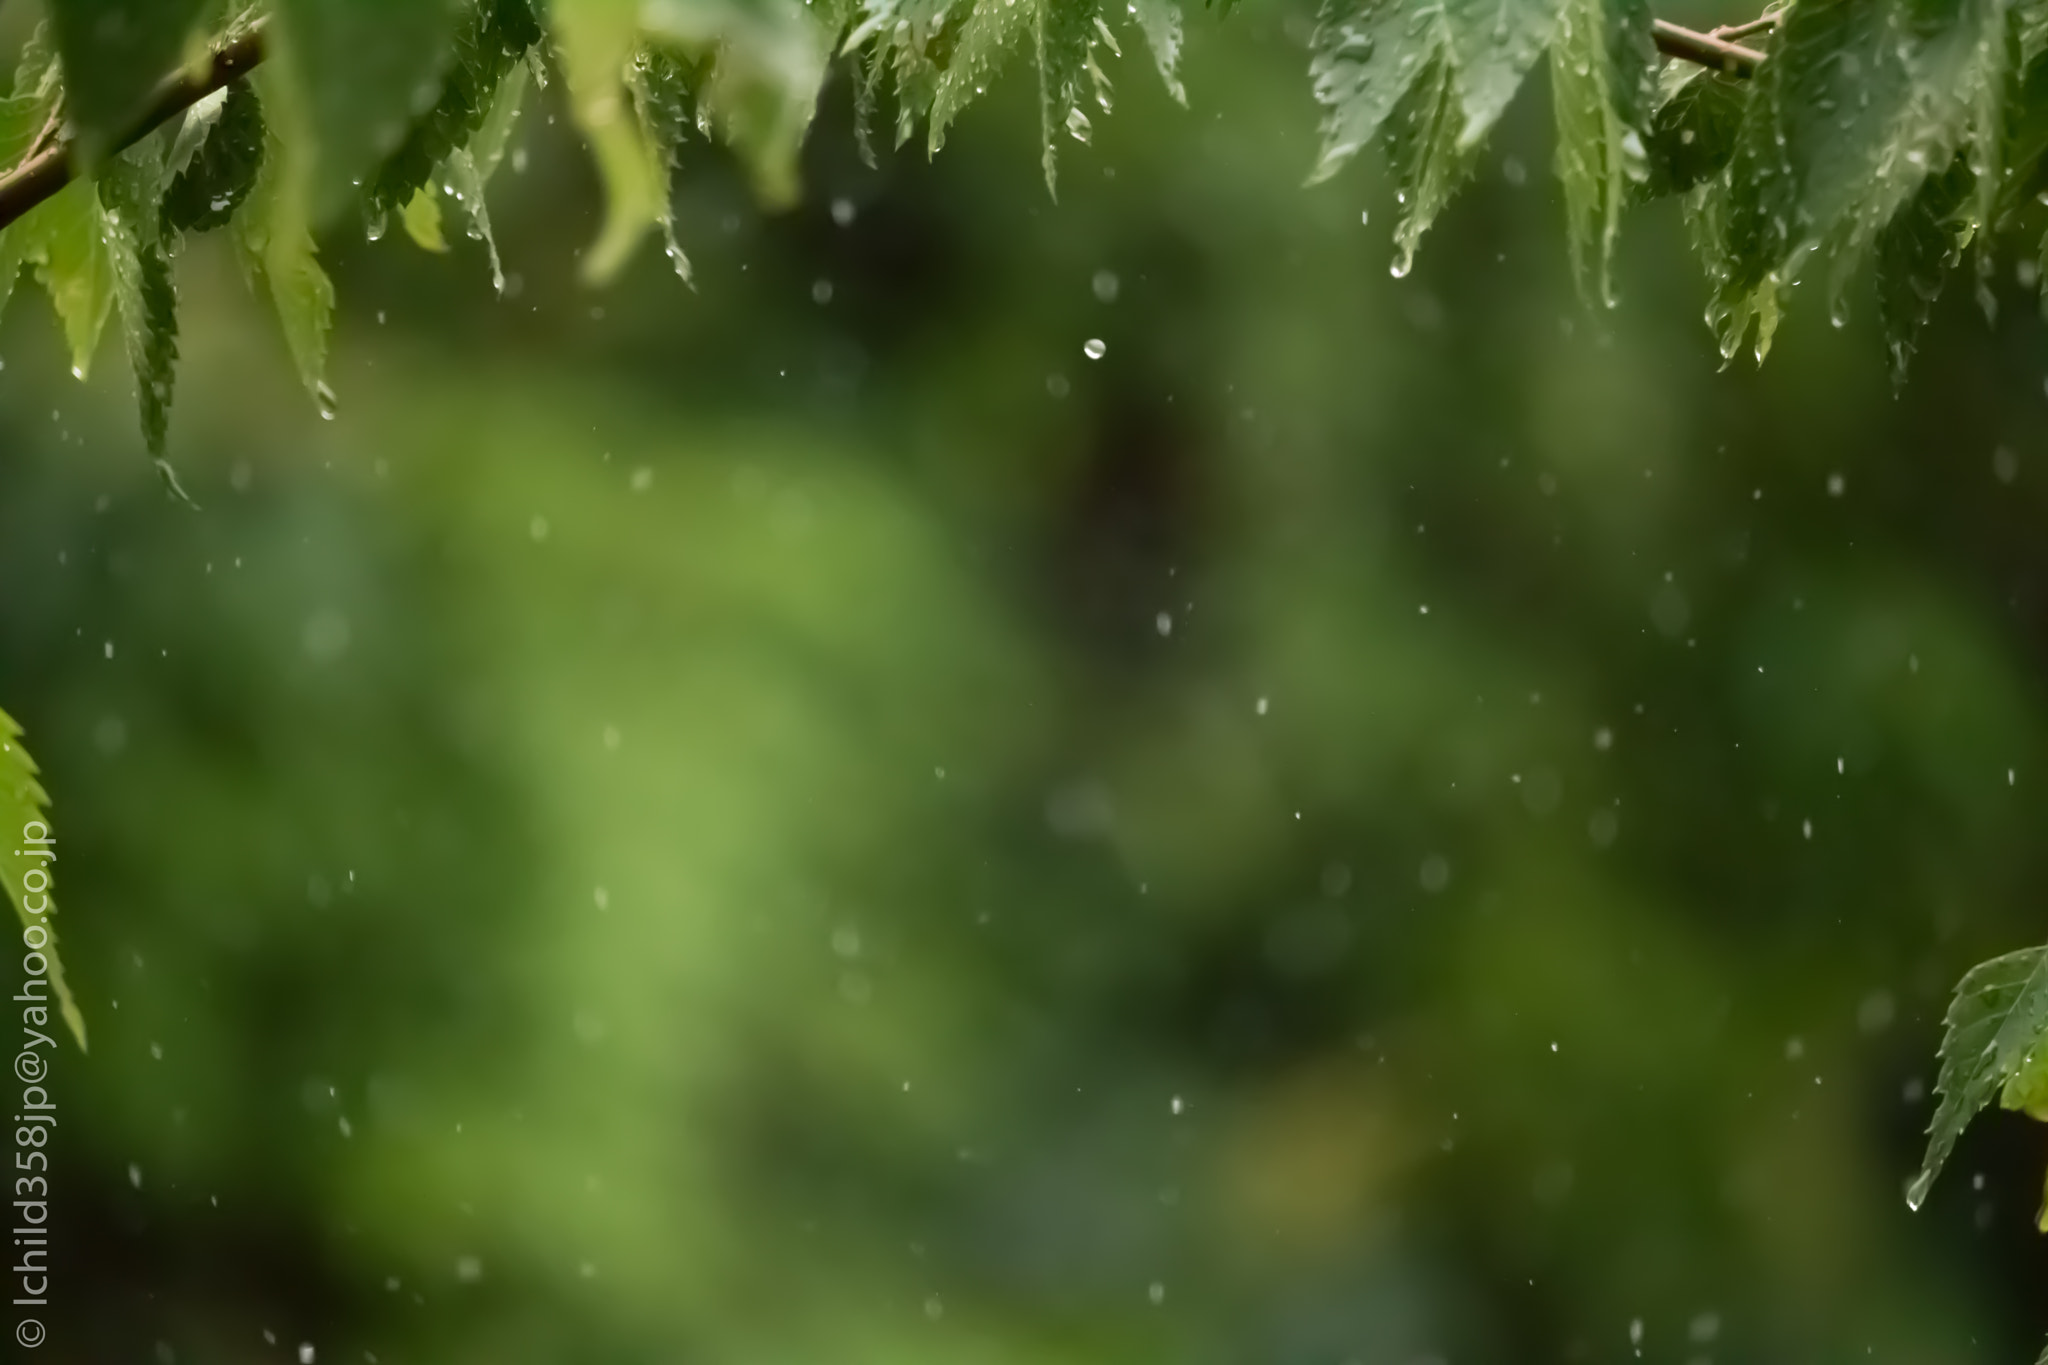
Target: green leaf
205,193
115,52
274,235
1914,253
2024,127
1159,20
1859,101
985,38
596,40
1602,69
65,239
1997,1027
1427,157
1064,40
1693,132
488,49
24,114
129,197
662,101
364,71
26,843
469,169
1369,55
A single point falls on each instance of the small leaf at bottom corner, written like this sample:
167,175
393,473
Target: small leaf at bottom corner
25,816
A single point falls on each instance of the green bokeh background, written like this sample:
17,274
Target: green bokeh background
805,820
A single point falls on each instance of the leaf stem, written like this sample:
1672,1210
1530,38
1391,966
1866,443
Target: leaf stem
1707,49
1760,24
53,165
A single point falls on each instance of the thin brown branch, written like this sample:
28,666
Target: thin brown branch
54,165
1709,51
1761,24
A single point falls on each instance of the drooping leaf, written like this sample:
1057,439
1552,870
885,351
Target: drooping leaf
1733,313
2024,124
62,238
663,103
274,235
365,70
490,46
1602,69
1064,40
979,45
1997,1027
1426,155
129,195
65,239
115,52
1914,253
1859,101
27,843
25,114
205,193
469,169
596,40
1160,22
1369,54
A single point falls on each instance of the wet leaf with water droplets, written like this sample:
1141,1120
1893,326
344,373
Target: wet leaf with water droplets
1602,69
1995,1032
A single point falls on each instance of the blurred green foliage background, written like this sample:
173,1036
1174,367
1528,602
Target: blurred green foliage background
1380,821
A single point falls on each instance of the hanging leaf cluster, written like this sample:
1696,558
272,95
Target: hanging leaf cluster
1814,141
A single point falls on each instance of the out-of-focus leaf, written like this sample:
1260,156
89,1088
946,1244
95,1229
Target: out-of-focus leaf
1602,69
1160,21
1997,1027
1693,132
757,66
115,52
25,839
1914,253
1369,54
2024,128
596,41
274,233
488,49
365,70
212,185
422,219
